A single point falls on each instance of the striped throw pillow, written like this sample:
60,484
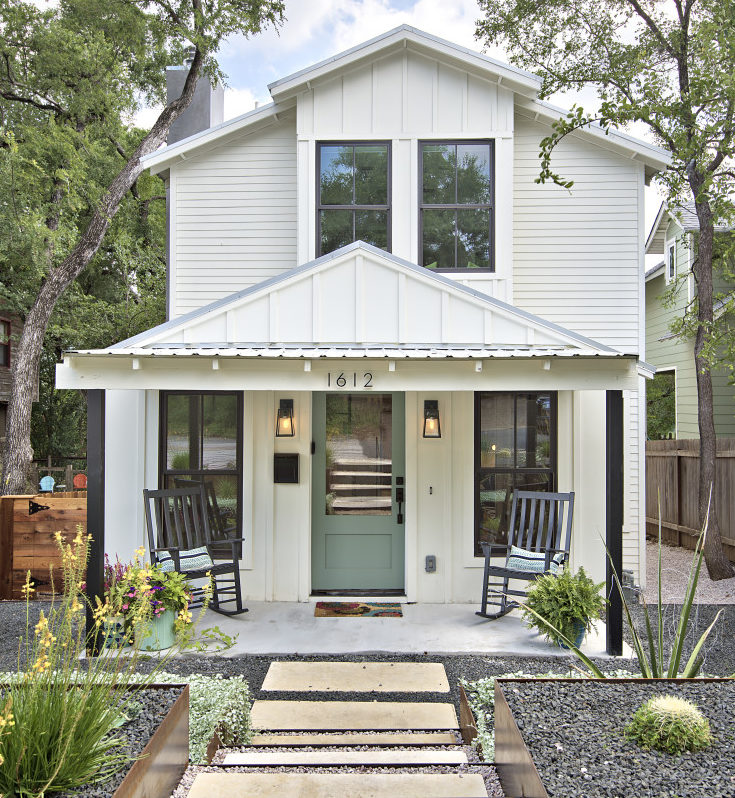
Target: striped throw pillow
190,560
532,561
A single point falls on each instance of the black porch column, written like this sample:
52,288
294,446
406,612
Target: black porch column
95,497
614,519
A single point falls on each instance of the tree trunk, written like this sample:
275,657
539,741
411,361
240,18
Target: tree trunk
718,564
18,454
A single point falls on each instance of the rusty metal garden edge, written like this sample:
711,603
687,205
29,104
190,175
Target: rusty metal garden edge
467,725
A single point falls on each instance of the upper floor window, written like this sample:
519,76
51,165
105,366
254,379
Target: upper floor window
456,204
4,342
670,262
353,195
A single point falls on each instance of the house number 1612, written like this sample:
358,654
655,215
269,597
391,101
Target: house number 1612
346,380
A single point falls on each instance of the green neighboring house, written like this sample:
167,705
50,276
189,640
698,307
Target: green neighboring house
674,236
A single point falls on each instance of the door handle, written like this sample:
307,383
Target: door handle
399,500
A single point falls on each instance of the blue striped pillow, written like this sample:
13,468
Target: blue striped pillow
189,560
532,561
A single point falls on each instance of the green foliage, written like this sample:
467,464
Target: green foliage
556,605
661,406
64,720
669,724
211,640
217,705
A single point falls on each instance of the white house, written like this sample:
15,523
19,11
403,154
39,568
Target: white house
371,252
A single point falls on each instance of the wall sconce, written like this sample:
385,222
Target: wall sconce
432,427
284,419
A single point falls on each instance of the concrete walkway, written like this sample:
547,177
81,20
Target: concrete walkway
291,628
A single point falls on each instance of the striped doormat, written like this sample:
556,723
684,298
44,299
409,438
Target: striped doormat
357,609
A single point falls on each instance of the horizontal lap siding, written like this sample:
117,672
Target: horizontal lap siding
576,254
235,216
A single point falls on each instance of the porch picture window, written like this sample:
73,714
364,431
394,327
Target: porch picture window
456,205
515,448
4,342
353,194
201,442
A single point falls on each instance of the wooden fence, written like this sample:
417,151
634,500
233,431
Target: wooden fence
28,543
672,476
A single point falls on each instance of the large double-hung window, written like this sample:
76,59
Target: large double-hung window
353,195
456,205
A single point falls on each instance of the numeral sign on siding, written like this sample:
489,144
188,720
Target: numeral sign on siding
353,379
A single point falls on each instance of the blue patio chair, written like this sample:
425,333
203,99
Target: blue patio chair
47,484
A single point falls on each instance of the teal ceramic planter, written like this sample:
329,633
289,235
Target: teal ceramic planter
113,632
579,632
158,633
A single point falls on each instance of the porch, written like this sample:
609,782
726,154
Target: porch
290,627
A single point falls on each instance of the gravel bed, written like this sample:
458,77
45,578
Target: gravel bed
154,704
574,732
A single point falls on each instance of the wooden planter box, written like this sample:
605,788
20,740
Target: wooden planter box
28,543
518,773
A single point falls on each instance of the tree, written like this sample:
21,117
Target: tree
667,64
661,406
70,76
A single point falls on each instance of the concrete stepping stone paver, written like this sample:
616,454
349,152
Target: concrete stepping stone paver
401,758
338,785
376,739
357,677
352,715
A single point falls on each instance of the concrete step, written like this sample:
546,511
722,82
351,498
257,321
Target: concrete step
363,464
375,739
357,677
309,759
382,477
352,716
337,785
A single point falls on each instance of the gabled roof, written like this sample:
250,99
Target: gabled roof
685,215
377,305
405,36
656,271
524,84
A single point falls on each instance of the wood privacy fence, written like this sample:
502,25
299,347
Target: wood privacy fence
672,474
27,540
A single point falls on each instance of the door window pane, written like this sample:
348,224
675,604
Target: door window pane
178,439
219,432
359,464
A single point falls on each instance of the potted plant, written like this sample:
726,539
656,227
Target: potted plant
564,606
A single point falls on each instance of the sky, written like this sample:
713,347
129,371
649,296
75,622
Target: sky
317,29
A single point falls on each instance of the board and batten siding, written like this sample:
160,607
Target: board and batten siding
234,216
577,252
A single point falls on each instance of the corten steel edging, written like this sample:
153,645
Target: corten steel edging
513,763
467,725
214,745
166,756
516,770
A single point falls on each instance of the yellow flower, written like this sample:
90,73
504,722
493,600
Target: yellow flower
75,605
42,624
28,587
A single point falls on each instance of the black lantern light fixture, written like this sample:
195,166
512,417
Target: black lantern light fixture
284,419
432,427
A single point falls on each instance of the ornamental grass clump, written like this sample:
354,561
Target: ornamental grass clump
59,721
669,724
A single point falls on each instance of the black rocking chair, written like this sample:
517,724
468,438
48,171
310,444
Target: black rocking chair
178,522
540,522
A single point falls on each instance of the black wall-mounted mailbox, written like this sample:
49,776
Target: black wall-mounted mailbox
286,468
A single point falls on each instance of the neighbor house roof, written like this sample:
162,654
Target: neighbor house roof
685,215
524,84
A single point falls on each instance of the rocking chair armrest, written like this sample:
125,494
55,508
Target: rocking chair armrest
495,549
167,548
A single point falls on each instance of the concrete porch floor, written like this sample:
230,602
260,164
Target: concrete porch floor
291,628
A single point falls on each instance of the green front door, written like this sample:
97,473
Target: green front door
357,520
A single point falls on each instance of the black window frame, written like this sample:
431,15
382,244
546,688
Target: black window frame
457,206
480,471
193,473
319,207
6,346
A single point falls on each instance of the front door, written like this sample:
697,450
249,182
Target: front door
357,491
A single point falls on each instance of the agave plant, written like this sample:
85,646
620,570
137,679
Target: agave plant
650,652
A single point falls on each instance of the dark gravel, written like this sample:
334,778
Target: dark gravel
154,704
574,732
